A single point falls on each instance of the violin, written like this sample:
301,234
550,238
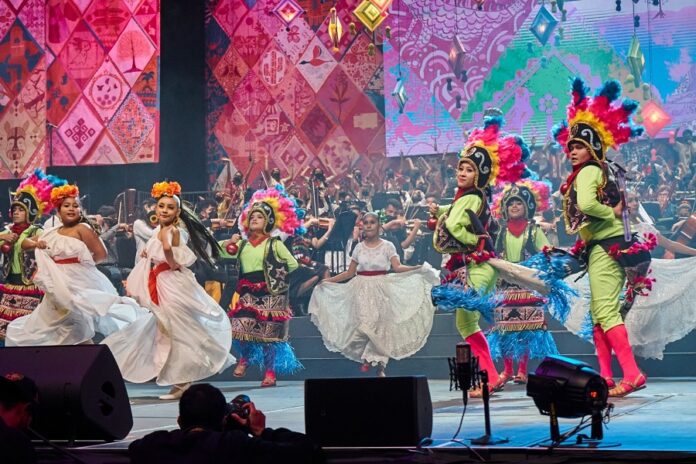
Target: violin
223,223
684,235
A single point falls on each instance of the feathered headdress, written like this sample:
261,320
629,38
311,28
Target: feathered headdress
282,214
497,158
34,194
533,194
599,122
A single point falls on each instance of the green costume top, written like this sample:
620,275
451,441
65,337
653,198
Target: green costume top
457,221
603,224
513,245
252,257
17,263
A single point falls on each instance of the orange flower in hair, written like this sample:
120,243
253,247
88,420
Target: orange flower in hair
169,189
58,194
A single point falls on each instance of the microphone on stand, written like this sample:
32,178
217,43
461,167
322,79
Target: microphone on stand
464,367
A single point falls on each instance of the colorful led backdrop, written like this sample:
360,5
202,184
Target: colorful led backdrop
85,72
508,67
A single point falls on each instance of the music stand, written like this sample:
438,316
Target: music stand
379,199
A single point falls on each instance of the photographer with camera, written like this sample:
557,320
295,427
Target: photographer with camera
213,431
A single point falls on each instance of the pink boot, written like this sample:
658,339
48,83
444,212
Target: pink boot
507,374
479,347
633,378
603,354
521,377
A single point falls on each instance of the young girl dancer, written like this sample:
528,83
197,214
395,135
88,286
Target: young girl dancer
520,327
79,300
261,315
376,316
488,159
19,296
186,335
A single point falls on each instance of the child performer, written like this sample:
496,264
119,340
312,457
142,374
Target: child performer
592,208
186,336
261,315
520,328
19,296
375,316
488,159
79,300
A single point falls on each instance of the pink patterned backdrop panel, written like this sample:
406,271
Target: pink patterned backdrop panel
281,94
85,72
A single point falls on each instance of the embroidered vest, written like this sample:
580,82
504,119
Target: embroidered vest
27,261
275,270
607,194
444,242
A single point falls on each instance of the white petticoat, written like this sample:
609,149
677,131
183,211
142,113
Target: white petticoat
79,300
666,315
187,337
375,318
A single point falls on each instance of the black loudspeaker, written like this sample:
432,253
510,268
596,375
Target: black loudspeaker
81,392
389,411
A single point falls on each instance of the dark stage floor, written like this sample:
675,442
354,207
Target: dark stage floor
655,424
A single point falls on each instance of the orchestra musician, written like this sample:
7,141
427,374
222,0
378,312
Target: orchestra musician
396,227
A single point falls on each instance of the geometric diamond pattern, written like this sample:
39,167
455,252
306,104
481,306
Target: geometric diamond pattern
131,115
80,130
290,98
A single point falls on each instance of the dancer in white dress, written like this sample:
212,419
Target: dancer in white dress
665,315
79,300
376,316
187,336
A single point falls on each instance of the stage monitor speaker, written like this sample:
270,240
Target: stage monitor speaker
390,411
81,392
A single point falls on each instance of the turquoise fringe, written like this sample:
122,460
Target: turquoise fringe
536,343
451,297
278,356
551,270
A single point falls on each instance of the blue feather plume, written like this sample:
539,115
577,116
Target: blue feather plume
451,297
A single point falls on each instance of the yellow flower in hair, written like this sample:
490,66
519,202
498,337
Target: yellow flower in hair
169,189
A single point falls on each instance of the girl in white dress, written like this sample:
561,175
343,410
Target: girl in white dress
187,336
376,316
79,300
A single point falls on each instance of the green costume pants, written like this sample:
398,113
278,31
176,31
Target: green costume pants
481,277
606,281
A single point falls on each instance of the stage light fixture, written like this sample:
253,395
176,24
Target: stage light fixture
565,387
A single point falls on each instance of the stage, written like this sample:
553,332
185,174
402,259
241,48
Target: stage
652,424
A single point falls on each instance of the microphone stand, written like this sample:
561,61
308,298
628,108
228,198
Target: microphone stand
488,438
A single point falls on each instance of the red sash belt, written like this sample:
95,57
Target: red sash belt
152,280
74,260
371,273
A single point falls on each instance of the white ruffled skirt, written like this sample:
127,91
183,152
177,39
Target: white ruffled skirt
666,315
376,318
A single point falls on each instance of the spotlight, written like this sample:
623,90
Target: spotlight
564,387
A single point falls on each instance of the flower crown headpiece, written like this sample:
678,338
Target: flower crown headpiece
34,194
165,188
58,194
497,158
282,214
598,122
533,194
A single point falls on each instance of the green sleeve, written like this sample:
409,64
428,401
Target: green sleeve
587,184
442,209
540,239
458,219
284,254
